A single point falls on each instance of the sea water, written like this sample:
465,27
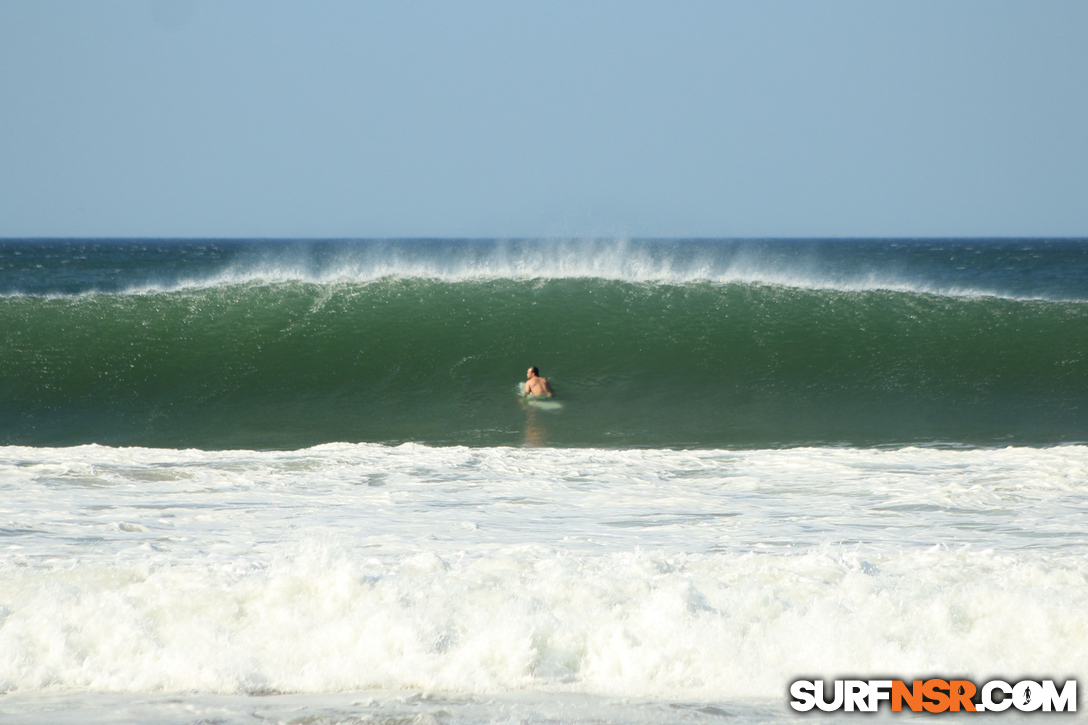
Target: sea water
269,483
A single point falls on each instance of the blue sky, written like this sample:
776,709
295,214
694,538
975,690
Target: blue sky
179,118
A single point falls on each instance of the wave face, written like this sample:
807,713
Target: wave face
649,344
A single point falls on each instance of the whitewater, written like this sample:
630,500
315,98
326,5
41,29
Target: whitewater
707,577
289,482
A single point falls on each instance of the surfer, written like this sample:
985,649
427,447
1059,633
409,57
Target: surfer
537,386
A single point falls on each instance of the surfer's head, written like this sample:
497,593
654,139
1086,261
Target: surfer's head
532,373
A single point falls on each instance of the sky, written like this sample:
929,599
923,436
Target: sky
192,118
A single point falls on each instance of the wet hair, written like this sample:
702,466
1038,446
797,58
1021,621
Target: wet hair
534,370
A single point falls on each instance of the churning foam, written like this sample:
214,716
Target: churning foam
632,623
721,574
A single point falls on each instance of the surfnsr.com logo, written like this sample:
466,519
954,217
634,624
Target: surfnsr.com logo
935,695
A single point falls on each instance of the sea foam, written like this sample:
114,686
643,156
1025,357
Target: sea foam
673,574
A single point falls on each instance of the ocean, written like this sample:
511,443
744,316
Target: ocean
267,481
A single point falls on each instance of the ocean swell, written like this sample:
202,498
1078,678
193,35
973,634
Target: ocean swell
293,364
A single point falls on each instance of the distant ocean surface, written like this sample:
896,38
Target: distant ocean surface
269,481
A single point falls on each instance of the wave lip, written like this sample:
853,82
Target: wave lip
621,260
1031,269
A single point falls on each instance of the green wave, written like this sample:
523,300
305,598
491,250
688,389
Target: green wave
700,365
